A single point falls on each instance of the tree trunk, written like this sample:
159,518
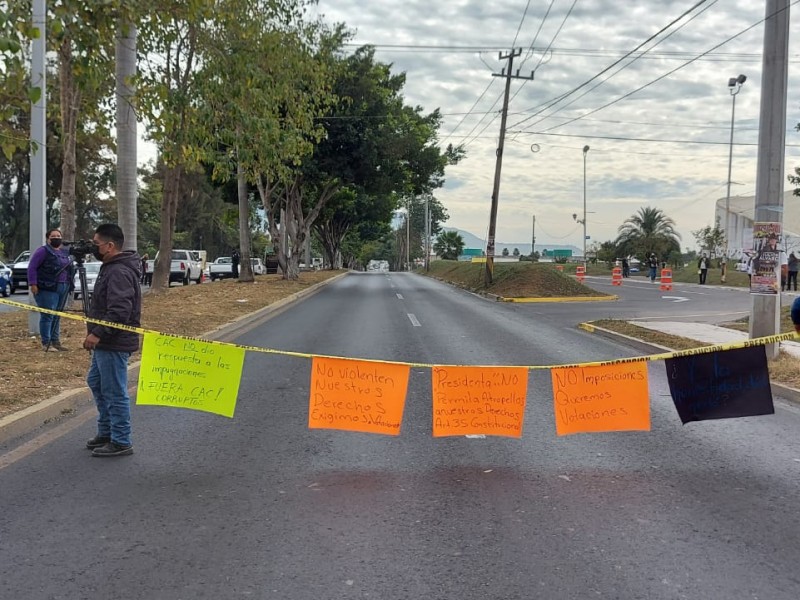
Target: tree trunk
169,208
332,235
70,101
125,55
245,267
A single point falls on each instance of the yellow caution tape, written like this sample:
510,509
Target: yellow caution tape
771,339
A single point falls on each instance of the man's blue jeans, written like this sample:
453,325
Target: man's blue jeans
652,273
108,380
50,325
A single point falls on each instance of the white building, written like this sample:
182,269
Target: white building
740,222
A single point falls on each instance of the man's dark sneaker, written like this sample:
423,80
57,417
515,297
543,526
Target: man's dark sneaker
97,441
112,449
57,345
46,347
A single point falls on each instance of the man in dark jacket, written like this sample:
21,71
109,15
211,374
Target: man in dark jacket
117,298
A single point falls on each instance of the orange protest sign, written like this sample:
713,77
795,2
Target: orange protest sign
602,398
356,395
479,400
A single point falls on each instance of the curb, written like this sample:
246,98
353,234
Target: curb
30,418
789,393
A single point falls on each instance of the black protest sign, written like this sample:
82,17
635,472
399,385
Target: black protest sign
721,385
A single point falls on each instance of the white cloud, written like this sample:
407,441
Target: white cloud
693,104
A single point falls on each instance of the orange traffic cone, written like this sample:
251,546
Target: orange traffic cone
666,280
616,276
580,272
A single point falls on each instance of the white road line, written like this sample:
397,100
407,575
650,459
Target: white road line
399,296
413,320
475,436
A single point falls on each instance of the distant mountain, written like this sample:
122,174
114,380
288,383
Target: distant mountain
473,241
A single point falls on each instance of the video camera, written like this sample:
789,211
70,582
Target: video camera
80,248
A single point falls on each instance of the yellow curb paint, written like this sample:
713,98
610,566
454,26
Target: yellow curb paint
567,299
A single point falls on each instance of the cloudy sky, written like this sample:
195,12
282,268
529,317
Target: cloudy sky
449,50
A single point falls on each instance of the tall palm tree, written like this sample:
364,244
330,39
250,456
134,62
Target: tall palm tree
649,230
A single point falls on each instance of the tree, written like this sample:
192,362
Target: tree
711,240
505,252
16,93
516,252
169,97
607,252
647,231
125,72
377,146
449,245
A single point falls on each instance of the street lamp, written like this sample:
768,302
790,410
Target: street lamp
734,85
585,152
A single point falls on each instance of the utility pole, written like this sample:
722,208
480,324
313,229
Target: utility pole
427,233
533,237
408,235
499,163
38,186
765,308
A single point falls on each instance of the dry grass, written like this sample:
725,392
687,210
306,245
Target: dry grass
785,369
28,375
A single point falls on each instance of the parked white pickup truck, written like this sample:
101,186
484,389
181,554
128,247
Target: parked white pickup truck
222,268
184,267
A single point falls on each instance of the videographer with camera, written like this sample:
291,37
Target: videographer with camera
117,298
50,276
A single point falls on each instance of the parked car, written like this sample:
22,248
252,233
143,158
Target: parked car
92,271
184,266
221,268
19,271
5,280
258,266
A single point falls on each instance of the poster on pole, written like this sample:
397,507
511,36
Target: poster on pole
766,265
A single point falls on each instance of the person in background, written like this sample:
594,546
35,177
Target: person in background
702,268
50,274
235,259
791,283
652,264
145,258
626,268
117,298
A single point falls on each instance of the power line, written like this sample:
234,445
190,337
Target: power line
469,112
632,139
532,47
553,39
668,73
587,52
521,21
486,89
628,64
612,65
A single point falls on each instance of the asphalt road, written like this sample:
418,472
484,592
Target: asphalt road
262,507
639,299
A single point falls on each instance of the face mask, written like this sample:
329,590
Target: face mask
55,242
97,254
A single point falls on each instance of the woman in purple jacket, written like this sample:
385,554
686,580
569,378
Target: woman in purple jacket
50,280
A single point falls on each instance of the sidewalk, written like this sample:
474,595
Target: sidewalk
708,334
